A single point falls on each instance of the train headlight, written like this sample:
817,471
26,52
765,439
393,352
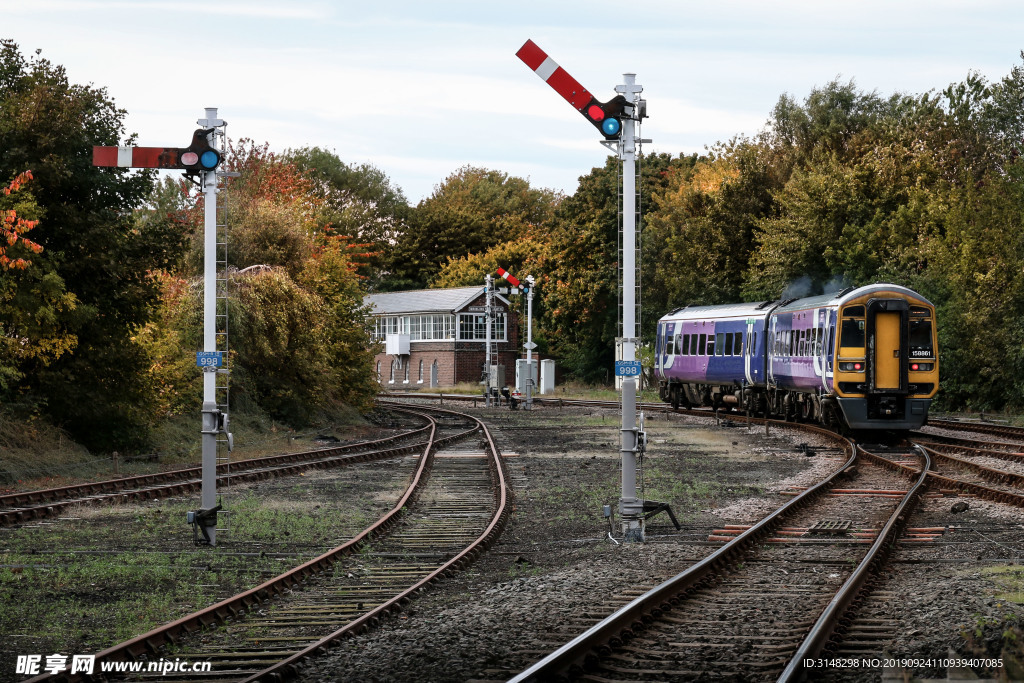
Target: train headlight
922,367
856,366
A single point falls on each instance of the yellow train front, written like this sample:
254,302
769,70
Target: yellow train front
885,365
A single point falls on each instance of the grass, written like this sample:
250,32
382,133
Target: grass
34,455
1009,579
102,575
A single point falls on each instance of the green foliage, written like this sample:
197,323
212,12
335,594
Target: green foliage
298,340
358,201
279,335
472,211
577,268
90,286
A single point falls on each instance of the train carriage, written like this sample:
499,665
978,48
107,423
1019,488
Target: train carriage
864,358
706,354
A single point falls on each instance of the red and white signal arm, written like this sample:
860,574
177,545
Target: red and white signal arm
199,156
136,157
512,279
605,116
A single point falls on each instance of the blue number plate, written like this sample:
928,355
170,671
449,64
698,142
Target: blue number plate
208,359
627,368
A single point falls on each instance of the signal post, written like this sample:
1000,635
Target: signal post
201,159
616,120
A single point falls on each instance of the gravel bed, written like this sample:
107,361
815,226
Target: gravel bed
555,563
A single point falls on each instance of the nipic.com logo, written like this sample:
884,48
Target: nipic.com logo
34,665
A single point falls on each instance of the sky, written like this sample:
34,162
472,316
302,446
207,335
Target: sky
420,89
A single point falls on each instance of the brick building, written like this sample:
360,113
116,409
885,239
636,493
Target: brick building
436,337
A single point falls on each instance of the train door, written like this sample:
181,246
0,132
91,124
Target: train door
887,351
887,326
749,351
665,348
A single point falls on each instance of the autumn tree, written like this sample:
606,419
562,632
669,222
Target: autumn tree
31,301
358,202
471,211
577,268
299,343
91,282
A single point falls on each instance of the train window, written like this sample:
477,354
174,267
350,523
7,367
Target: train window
853,312
710,351
692,351
753,344
737,344
852,334
701,344
724,344
831,341
921,339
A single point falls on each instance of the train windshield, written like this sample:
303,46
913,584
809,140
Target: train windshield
921,339
852,334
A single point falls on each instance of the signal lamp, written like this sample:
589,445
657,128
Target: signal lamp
607,116
200,155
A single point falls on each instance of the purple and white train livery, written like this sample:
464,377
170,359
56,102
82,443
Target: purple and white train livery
863,358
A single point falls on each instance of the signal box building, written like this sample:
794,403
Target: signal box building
437,337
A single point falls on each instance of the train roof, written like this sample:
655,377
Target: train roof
763,308
839,298
757,309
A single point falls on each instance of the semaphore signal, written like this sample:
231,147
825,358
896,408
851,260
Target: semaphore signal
605,116
197,157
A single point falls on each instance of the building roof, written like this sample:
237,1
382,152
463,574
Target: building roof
424,300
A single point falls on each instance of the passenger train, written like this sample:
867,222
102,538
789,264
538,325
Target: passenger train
861,359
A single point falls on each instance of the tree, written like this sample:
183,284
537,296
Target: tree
298,338
578,266
473,210
30,301
359,201
92,249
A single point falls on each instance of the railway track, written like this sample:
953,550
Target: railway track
26,506
754,608
455,506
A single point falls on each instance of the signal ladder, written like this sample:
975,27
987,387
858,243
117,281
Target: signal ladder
223,383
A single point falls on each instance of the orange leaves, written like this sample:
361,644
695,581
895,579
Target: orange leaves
13,229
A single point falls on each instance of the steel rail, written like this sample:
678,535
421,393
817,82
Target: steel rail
824,628
995,495
957,425
583,651
991,449
151,641
288,668
993,475
175,482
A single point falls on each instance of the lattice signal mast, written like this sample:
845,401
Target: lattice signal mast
616,119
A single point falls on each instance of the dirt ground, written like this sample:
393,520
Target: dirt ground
556,563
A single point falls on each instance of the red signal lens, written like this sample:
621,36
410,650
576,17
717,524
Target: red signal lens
915,366
858,366
595,113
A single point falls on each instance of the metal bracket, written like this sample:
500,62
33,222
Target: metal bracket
200,521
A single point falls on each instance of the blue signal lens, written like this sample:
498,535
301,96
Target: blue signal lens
611,126
209,159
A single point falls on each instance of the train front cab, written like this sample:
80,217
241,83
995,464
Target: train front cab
886,365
